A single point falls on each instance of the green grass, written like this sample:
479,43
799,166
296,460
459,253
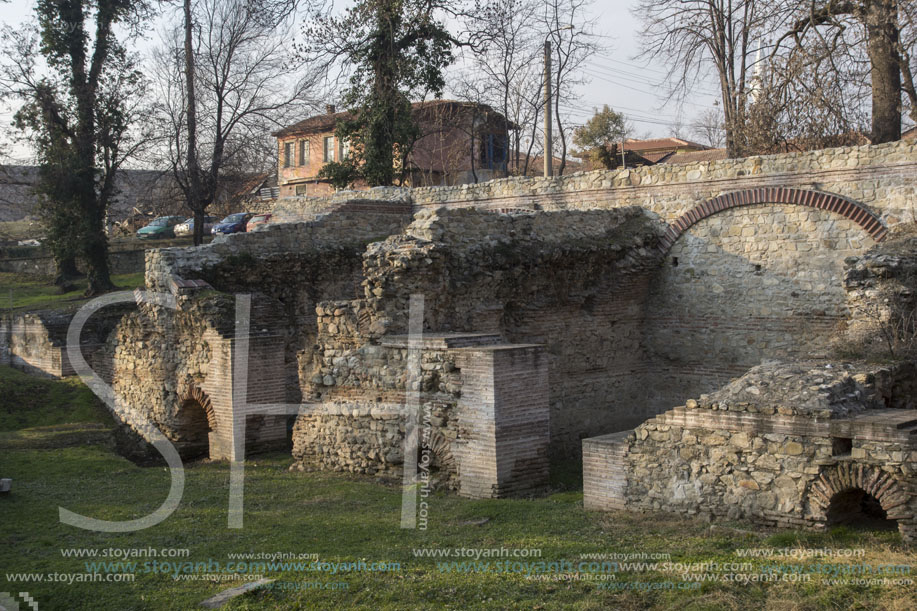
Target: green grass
20,230
349,518
24,292
27,402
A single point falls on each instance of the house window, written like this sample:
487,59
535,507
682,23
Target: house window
344,153
302,189
287,154
303,152
492,153
329,148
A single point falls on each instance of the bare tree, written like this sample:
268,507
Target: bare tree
799,106
507,64
573,41
839,30
227,77
709,129
697,37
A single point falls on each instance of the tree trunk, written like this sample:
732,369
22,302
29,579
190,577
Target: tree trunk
66,271
96,255
93,244
198,227
193,193
885,73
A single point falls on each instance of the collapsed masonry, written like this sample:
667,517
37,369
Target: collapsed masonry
555,310
509,372
801,444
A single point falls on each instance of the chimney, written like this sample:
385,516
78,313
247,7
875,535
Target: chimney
329,109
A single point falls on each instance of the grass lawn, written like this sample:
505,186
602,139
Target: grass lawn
59,454
22,292
22,229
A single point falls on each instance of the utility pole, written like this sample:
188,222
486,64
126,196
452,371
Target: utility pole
548,145
548,148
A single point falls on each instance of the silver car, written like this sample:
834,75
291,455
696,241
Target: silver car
187,227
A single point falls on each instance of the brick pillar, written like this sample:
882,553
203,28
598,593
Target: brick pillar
504,420
605,471
266,384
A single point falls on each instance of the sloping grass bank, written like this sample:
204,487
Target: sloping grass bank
22,292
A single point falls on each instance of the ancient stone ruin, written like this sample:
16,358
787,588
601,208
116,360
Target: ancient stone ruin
707,338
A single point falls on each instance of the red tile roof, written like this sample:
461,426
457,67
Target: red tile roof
328,121
661,144
692,156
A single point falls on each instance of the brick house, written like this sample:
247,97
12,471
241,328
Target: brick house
461,143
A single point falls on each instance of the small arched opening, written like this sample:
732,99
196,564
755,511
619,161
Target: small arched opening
435,462
194,423
856,508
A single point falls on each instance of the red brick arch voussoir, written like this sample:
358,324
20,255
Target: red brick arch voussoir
193,393
858,213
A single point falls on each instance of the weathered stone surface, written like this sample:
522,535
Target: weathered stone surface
772,468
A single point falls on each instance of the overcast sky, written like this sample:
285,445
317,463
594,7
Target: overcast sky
615,77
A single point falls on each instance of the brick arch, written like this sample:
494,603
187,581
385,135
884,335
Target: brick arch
441,450
194,393
776,195
884,487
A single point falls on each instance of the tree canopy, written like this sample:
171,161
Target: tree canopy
396,52
596,139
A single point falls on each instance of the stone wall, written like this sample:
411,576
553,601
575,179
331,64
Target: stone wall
880,177
747,284
776,447
743,285
573,282
351,224
176,369
295,209
358,388
36,342
552,312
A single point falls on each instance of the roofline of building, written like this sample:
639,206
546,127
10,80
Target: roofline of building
334,118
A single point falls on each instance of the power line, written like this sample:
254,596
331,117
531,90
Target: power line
644,69
615,73
626,86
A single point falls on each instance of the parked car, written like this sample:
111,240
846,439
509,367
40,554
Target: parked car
160,227
187,228
234,223
258,219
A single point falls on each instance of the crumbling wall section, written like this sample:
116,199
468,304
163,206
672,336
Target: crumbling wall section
573,282
881,294
773,446
296,264
746,285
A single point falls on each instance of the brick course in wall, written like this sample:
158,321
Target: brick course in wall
879,178
766,448
629,307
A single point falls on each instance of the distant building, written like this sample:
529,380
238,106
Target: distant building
658,150
650,152
461,143
693,156
149,191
